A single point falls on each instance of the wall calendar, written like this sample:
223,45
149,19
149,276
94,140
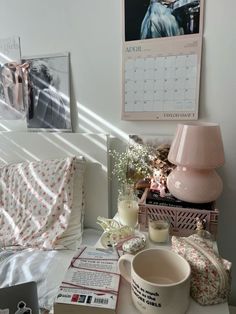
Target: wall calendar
162,44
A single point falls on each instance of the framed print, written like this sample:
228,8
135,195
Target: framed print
162,44
48,98
11,77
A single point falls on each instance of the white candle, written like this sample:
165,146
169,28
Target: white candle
158,231
128,212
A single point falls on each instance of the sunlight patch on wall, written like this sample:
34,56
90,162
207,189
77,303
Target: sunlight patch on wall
87,156
4,127
95,119
20,149
5,57
91,124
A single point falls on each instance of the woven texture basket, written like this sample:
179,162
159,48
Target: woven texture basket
182,220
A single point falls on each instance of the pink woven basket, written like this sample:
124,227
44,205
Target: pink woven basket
182,220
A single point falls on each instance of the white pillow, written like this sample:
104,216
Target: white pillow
41,203
72,237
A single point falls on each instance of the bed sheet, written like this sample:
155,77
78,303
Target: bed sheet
47,268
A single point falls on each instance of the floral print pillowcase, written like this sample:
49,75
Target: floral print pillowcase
36,202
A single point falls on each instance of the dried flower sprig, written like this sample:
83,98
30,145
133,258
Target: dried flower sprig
133,164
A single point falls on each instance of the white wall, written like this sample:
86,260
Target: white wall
91,32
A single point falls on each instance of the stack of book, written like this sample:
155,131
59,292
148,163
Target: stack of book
91,283
153,197
183,216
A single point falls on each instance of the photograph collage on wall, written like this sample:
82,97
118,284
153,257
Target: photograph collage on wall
35,89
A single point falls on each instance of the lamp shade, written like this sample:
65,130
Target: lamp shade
197,149
198,146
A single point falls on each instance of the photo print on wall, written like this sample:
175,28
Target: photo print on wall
148,19
48,98
12,106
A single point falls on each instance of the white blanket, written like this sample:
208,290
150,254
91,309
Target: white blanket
47,268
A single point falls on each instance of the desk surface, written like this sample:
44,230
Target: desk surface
125,304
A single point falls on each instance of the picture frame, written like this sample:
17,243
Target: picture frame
48,92
11,80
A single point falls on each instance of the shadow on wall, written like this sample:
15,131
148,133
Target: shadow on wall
232,309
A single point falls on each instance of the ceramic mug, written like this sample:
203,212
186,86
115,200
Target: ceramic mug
160,280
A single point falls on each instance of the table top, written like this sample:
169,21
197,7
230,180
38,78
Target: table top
125,304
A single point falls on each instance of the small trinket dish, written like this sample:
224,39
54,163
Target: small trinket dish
134,244
115,238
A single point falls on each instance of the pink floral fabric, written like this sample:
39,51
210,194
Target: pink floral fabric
210,284
35,202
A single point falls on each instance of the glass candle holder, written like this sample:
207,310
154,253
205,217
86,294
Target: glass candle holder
128,208
158,230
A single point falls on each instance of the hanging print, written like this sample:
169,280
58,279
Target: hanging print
48,98
162,42
11,80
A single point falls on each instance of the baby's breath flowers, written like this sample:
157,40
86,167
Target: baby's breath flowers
131,165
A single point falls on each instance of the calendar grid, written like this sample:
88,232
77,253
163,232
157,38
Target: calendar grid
161,83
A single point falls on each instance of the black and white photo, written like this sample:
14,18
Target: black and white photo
48,92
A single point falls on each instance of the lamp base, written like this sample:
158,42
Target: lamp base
194,186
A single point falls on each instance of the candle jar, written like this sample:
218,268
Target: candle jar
128,207
158,230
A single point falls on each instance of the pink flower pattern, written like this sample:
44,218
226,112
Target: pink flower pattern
35,202
206,281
